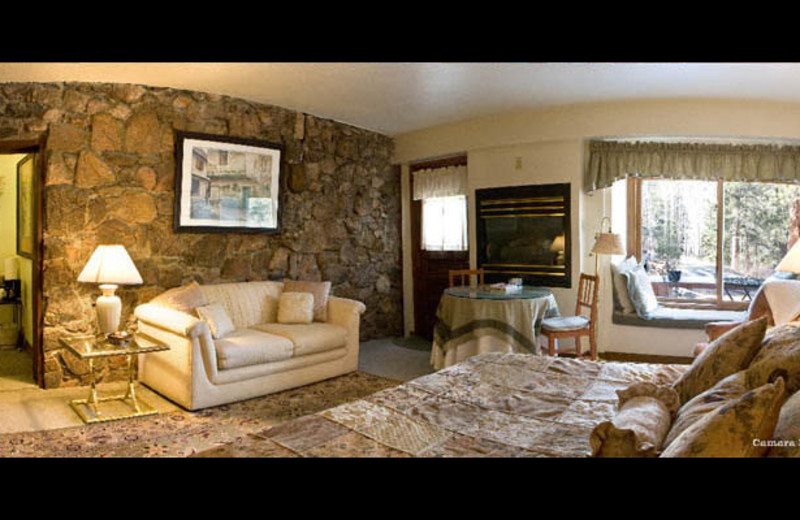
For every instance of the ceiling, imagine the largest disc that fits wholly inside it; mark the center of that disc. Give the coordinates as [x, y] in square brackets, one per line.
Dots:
[395, 98]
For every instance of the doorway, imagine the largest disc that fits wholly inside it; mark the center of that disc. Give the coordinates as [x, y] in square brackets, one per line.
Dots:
[21, 346]
[430, 269]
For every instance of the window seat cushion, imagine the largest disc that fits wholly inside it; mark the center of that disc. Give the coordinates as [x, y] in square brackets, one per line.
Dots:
[672, 318]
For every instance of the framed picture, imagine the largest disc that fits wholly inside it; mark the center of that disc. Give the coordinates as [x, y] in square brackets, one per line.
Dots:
[25, 214]
[225, 184]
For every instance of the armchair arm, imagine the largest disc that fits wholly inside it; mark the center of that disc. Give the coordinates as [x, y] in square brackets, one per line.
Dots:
[169, 319]
[340, 309]
[716, 329]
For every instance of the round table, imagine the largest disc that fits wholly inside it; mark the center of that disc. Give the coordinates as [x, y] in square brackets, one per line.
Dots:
[476, 320]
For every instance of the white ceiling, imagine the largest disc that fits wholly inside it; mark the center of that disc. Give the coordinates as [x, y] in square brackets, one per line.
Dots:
[395, 98]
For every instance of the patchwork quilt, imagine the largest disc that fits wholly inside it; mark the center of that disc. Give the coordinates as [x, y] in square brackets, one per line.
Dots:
[492, 405]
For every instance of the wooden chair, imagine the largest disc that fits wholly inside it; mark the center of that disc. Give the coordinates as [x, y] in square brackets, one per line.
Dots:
[576, 326]
[465, 274]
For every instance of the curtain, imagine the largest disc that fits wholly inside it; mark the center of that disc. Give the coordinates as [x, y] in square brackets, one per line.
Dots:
[610, 161]
[444, 223]
[440, 182]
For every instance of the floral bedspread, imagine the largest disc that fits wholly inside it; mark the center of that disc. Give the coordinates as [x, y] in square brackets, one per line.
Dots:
[493, 405]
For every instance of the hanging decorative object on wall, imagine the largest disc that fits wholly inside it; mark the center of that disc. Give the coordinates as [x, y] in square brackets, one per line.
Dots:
[225, 184]
[25, 213]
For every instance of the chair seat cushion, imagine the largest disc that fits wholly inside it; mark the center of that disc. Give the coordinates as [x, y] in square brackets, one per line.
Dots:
[246, 347]
[309, 338]
[565, 323]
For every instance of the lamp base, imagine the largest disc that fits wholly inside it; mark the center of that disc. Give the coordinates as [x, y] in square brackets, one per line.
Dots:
[109, 309]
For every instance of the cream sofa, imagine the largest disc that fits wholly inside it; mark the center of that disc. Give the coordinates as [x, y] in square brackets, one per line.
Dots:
[260, 357]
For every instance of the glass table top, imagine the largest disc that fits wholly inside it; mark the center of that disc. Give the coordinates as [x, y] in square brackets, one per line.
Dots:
[88, 346]
[484, 293]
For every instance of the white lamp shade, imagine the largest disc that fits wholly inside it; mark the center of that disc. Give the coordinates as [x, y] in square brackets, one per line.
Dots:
[608, 244]
[791, 262]
[110, 264]
[558, 244]
[11, 271]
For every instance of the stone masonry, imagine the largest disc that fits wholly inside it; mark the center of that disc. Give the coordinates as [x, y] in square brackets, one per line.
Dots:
[110, 179]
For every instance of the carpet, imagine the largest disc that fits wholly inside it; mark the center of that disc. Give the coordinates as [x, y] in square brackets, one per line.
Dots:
[182, 433]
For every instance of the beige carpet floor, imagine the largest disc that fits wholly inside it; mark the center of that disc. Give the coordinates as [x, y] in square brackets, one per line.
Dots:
[179, 433]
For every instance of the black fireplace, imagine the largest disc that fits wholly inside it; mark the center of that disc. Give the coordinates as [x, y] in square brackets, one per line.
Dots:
[524, 232]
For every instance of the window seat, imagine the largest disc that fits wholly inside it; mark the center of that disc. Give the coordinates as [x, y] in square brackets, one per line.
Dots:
[672, 318]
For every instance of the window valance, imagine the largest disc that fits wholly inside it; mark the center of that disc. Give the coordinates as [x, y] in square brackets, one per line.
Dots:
[440, 182]
[610, 161]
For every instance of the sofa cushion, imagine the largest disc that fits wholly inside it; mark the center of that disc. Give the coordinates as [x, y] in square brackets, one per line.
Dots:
[620, 285]
[320, 290]
[640, 290]
[217, 318]
[185, 298]
[245, 347]
[296, 307]
[309, 338]
[247, 303]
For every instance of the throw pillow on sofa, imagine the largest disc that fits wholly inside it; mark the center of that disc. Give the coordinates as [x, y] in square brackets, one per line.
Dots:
[730, 430]
[320, 290]
[639, 427]
[185, 298]
[726, 355]
[621, 283]
[217, 318]
[296, 307]
[641, 291]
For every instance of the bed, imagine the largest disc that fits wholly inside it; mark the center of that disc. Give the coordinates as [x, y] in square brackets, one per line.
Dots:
[491, 405]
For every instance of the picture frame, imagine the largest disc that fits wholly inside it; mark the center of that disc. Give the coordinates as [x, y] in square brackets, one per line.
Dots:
[26, 225]
[227, 184]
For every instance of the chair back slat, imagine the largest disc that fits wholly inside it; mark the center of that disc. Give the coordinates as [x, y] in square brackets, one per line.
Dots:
[587, 294]
[465, 275]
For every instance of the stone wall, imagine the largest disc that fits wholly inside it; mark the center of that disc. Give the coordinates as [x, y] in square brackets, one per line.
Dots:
[110, 179]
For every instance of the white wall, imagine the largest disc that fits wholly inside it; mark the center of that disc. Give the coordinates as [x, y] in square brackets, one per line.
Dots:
[552, 145]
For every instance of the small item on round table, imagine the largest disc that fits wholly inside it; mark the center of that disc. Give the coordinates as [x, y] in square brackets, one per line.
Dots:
[121, 338]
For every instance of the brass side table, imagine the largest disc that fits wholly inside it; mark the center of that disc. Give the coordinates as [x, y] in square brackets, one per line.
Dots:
[90, 348]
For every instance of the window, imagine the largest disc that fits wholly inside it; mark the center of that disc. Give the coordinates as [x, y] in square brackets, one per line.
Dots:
[223, 158]
[444, 223]
[710, 243]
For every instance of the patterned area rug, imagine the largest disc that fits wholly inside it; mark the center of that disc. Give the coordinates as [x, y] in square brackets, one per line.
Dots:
[182, 434]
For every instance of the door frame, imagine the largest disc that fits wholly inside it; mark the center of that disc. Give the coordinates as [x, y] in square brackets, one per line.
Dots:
[35, 146]
[415, 222]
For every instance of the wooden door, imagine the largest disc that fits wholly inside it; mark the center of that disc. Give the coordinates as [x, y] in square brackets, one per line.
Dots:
[430, 268]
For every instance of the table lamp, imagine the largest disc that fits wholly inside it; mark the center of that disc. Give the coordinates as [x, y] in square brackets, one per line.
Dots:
[109, 266]
[791, 262]
[558, 247]
[607, 243]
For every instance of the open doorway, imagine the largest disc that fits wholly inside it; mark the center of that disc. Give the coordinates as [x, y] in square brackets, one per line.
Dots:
[21, 179]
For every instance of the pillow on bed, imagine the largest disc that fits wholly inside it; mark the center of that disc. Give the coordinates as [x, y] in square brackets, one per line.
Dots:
[621, 283]
[730, 388]
[641, 291]
[779, 357]
[639, 427]
[788, 429]
[729, 431]
[724, 356]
